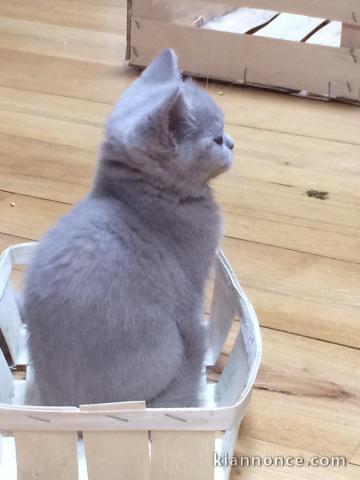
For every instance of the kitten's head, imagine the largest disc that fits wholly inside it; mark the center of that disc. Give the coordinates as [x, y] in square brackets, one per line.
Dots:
[169, 130]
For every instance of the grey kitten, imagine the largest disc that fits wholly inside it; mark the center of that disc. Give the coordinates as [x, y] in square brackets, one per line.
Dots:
[113, 298]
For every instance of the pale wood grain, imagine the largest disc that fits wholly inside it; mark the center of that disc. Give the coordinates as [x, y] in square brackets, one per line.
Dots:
[7, 240]
[292, 162]
[308, 392]
[270, 214]
[16, 219]
[350, 36]
[298, 292]
[110, 454]
[108, 16]
[299, 378]
[59, 107]
[355, 459]
[66, 133]
[142, 8]
[68, 77]
[45, 455]
[182, 455]
[60, 41]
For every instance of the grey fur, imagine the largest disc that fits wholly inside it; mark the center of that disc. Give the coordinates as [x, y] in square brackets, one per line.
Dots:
[113, 298]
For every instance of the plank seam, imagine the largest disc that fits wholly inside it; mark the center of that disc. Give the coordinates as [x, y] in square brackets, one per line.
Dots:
[309, 337]
[292, 249]
[229, 85]
[226, 236]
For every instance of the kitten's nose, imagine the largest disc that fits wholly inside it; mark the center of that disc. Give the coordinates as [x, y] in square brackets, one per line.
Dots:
[229, 142]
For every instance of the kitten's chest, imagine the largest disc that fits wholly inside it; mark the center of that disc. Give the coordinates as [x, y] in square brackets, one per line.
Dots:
[194, 237]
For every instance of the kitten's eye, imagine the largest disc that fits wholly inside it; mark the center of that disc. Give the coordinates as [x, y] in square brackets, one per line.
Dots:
[219, 140]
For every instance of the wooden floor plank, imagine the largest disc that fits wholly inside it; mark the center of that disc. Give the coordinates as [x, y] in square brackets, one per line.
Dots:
[287, 217]
[73, 110]
[8, 240]
[49, 130]
[283, 113]
[257, 211]
[107, 16]
[258, 207]
[64, 77]
[292, 236]
[56, 172]
[253, 164]
[297, 292]
[266, 155]
[103, 83]
[28, 217]
[291, 160]
[355, 458]
[60, 41]
[308, 392]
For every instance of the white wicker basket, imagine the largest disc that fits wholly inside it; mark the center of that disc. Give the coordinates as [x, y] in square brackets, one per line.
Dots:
[127, 440]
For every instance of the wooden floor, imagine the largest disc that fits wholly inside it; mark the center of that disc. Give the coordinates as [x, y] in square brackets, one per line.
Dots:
[298, 256]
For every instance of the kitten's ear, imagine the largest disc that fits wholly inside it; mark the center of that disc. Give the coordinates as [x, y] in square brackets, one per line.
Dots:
[164, 68]
[173, 115]
[154, 100]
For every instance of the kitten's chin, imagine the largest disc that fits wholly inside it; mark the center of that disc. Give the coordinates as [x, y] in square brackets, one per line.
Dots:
[221, 169]
[217, 173]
